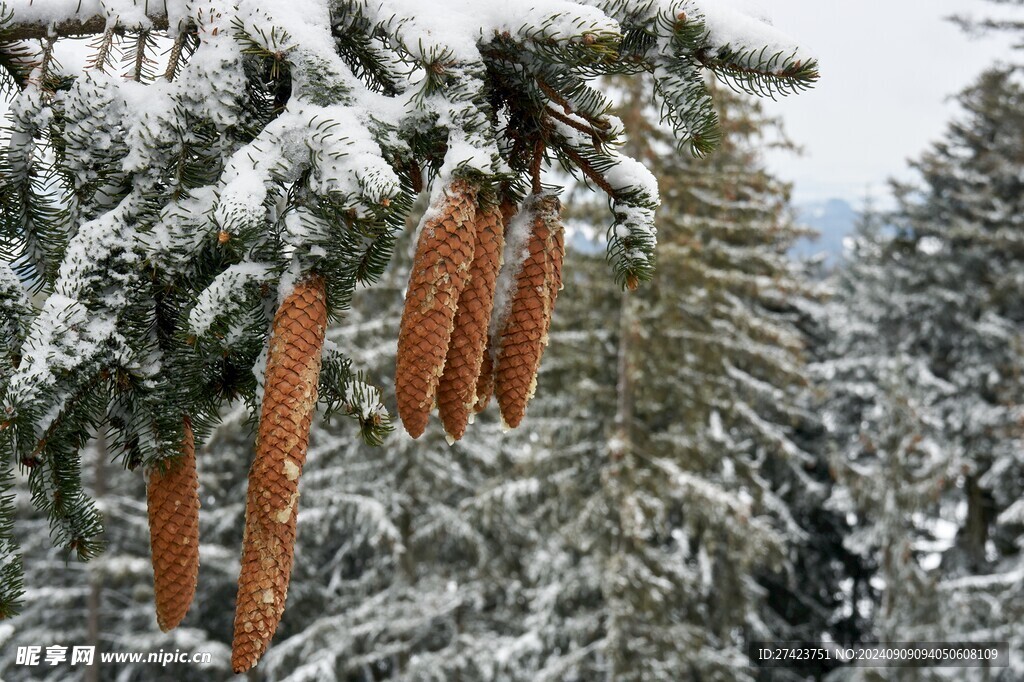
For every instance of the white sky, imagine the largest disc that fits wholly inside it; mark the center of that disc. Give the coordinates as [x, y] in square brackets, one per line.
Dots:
[888, 69]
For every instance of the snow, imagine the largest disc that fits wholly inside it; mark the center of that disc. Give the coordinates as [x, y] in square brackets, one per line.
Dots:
[517, 237]
[259, 222]
[181, 228]
[13, 296]
[346, 161]
[1012, 515]
[732, 23]
[226, 290]
[456, 27]
[628, 173]
[6, 630]
[128, 12]
[61, 335]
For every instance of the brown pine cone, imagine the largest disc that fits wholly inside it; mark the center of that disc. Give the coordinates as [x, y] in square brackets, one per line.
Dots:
[289, 401]
[172, 499]
[456, 392]
[525, 331]
[485, 382]
[439, 274]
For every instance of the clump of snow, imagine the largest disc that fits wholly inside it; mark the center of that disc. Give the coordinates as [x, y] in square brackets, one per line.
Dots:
[1013, 515]
[224, 294]
[743, 28]
[517, 237]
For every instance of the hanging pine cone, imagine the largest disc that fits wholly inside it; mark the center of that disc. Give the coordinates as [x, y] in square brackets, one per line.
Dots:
[289, 400]
[172, 500]
[485, 381]
[439, 274]
[456, 392]
[524, 333]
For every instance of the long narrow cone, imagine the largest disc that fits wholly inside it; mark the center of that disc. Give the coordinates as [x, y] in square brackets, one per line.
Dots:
[172, 499]
[440, 271]
[289, 401]
[485, 382]
[525, 332]
[456, 393]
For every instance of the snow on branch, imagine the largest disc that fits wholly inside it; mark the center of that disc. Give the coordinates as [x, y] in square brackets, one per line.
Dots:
[208, 156]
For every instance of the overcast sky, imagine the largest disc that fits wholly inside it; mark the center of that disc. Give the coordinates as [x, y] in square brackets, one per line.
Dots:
[888, 69]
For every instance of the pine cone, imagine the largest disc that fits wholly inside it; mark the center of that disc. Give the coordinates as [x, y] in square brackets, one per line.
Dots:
[439, 274]
[289, 401]
[456, 393]
[485, 382]
[172, 498]
[525, 331]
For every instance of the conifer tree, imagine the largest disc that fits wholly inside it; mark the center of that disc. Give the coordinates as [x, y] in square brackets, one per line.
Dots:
[662, 504]
[735, 309]
[883, 444]
[174, 212]
[1006, 17]
[925, 379]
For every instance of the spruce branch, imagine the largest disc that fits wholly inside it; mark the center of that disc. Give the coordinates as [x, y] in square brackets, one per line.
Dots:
[102, 56]
[16, 57]
[139, 62]
[76, 27]
[168, 228]
[11, 570]
[759, 72]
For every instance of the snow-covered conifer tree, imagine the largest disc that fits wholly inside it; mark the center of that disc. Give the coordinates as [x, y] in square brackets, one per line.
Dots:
[666, 494]
[964, 226]
[925, 379]
[198, 201]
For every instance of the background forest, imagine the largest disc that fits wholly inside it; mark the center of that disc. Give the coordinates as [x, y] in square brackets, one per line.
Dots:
[754, 446]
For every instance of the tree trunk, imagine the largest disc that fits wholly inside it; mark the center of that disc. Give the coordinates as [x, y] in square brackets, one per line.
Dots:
[974, 535]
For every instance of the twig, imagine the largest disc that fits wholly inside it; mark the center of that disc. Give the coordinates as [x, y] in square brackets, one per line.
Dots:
[590, 171]
[175, 56]
[141, 42]
[102, 46]
[596, 137]
[538, 159]
[553, 95]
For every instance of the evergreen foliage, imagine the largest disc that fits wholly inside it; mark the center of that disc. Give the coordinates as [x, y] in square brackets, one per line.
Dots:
[664, 504]
[581, 545]
[164, 204]
[925, 390]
